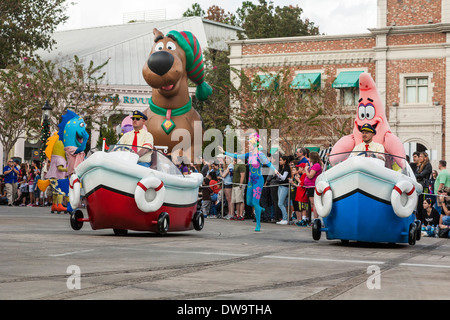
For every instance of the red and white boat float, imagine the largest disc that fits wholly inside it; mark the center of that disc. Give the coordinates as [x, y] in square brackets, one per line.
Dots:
[122, 195]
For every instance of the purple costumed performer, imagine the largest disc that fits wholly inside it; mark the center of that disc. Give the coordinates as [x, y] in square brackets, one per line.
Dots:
[256, 159]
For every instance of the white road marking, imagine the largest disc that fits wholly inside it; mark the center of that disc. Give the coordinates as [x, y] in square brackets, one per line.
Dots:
[267, 257]
[424, 265]
[325, 260]
[70, 253]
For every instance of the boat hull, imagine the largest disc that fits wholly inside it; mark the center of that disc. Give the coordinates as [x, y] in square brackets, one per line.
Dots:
[112, 209]
[110, 182]
[361, 207]
[360, 217]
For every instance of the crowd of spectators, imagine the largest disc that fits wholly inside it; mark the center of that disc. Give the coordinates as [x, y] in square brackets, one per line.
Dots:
[18, 184]
[287, 198]
[433, 205]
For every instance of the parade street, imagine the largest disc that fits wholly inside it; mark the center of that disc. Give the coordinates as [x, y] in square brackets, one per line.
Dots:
[43, 258]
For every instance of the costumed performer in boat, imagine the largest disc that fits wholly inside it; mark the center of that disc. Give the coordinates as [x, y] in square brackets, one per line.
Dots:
[256, 159]
[370, 111]
[139, 137]
[368, 145]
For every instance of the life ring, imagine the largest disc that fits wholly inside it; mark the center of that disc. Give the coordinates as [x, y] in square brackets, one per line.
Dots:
[400, 209]
[149, 182]
[323, 199]
[74, 191]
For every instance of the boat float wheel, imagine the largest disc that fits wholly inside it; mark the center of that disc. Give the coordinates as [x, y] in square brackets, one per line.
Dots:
[198, 220]
[418, 229]
[163, 223]
[316, 232]
[75, 218]
[412, 233]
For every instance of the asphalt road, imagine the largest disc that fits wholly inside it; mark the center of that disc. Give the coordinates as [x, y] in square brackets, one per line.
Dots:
[42, 258]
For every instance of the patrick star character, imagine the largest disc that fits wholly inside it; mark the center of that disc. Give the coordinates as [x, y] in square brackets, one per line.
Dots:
[370, 110]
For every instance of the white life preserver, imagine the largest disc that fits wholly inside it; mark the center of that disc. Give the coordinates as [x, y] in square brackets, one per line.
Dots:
[403, 210]
[146, 183]
[323, 199]
[74, 191]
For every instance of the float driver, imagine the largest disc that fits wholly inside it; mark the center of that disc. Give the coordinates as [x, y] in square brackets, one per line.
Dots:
[368, 144]
[139, 137]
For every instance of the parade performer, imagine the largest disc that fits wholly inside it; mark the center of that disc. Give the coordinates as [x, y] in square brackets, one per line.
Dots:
[56, 174]
[370, 111]
[139, 137]
[73, 134]
[256, 159]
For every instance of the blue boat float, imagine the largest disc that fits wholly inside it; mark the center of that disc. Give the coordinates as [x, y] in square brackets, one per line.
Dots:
[367, 197]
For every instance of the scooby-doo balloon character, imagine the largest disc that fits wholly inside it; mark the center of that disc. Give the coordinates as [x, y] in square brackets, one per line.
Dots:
[174, 59]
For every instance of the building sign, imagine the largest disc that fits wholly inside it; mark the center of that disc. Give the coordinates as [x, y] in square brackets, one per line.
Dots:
[136, 100]
[129, 100]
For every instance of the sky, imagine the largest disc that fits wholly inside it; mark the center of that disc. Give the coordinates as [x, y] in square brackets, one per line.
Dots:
[332, 16]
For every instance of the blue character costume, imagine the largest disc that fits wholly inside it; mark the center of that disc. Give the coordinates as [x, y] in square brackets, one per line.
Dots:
[73, 134]
[256, 159]
[65, 149]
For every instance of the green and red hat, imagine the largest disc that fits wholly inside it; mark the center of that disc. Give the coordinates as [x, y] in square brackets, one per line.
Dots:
[195, 66]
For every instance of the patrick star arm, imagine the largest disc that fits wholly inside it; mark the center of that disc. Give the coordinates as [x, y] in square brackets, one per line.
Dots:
[344, 144]
[394, 146]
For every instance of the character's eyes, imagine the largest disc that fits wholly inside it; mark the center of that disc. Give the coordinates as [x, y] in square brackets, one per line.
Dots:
[366, 112]
[82, 124]
[370, 111]
[171, 46]
[361, 112]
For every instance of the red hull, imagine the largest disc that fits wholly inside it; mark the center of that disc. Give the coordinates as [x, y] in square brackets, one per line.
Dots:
[110, 209]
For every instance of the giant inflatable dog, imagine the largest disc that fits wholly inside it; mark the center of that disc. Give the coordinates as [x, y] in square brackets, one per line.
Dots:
[174, 59]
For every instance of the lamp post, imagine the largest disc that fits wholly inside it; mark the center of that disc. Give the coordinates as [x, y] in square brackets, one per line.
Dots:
[45, 129]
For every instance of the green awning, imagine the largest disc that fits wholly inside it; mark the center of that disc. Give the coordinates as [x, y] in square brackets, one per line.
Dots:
[265, 82]
[347, 79]
[315, 149]
[306, 81]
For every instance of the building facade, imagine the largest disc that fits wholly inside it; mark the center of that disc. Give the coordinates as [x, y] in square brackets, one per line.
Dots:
[407, 54]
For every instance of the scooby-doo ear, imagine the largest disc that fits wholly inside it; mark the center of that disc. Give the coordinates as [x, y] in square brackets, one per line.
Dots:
[157, 34]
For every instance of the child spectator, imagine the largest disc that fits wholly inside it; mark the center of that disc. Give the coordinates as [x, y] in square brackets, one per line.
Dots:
[206, 197]
[301, 195]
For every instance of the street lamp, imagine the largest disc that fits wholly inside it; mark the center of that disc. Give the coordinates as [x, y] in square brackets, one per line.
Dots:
[45, 129]
[46, 110]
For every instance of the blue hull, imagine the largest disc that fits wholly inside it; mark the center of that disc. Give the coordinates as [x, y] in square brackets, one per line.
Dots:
[360, 217]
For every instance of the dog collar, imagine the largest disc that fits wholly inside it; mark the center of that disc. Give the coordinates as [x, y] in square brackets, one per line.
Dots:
[168, 125]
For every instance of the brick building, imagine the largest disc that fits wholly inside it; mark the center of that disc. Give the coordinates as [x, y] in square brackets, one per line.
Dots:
[407, 55]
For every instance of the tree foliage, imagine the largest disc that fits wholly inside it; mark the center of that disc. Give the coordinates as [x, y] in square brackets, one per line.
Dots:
[26, 26]
[25, 87]
[262, 20]
[194, 11]
[301, 116]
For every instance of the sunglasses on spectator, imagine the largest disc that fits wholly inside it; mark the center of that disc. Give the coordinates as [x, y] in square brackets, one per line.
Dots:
[134, 118]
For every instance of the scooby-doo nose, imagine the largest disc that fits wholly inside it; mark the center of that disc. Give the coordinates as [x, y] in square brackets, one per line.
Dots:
[160, 62]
